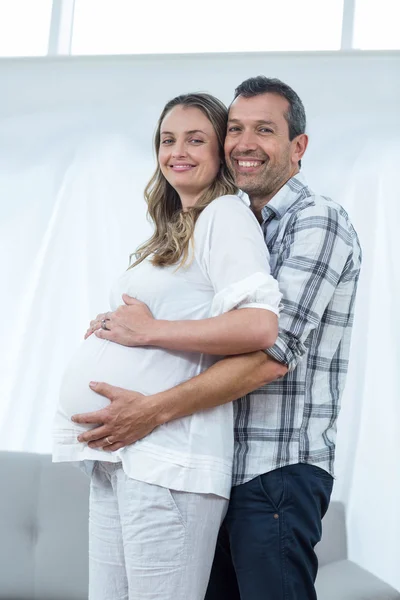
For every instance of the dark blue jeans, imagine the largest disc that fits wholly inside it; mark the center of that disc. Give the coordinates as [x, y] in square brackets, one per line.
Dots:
[265, 549]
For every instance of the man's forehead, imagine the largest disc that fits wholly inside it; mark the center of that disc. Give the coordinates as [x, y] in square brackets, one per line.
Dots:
[264, 107]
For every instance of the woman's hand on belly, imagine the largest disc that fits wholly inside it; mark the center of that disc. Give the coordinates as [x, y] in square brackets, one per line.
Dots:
[129, 417]
[96, 323]
[131, 324]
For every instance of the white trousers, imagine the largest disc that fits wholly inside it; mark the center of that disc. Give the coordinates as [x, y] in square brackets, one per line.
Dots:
[147, 542]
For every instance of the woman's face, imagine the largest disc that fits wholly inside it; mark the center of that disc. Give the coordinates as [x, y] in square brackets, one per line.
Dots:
[188, 153]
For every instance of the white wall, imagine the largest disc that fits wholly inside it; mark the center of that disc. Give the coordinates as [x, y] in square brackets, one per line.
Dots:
[75, 154]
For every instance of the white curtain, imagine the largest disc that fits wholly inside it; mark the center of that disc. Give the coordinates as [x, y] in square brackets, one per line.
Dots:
[368, 446]
[75, 155]
[73, 214]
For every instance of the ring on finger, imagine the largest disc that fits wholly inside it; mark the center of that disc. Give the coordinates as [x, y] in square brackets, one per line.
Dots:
[104, 324]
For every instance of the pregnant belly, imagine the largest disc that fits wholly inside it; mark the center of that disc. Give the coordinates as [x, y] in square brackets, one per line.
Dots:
[101, 360]
[145, 370]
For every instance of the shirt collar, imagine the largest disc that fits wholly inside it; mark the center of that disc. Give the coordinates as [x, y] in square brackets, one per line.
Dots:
[284, 199]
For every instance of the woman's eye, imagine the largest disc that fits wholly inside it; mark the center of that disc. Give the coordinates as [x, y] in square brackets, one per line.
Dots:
[195, 141]
[167, 142]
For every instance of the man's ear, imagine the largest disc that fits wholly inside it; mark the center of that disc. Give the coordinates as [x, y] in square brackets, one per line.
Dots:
[299, 146]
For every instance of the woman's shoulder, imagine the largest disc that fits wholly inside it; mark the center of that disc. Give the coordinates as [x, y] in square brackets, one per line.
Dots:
[223, 206]
[229, 201]
[230, 210]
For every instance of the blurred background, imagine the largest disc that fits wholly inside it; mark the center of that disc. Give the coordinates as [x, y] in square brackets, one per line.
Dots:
[82, 86]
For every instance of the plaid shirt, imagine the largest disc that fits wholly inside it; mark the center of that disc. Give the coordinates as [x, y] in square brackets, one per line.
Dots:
[316, 258]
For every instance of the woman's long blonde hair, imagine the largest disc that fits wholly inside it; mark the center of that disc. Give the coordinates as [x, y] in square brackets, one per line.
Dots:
[174, 227]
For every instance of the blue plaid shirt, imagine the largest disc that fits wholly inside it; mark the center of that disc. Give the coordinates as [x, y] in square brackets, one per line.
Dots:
[316, 258]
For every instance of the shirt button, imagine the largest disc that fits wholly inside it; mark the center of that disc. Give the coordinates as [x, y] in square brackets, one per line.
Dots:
[276, 516]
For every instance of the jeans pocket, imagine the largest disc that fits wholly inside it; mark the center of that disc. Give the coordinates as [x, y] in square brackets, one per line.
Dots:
[323, 485]
[321, 473]
[273, 487]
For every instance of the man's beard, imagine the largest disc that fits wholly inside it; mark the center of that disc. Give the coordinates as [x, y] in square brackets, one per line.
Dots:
[265, 183]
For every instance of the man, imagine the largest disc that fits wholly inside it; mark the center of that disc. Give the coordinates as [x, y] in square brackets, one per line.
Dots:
[284, 431]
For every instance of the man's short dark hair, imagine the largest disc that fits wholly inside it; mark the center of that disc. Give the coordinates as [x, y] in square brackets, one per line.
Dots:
[295, 115]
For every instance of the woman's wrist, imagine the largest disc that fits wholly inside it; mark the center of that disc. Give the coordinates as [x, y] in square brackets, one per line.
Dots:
[158, 333]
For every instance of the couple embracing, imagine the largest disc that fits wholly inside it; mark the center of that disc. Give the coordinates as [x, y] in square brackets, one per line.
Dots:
[204, 403]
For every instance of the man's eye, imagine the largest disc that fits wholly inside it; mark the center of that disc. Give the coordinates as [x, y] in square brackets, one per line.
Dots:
[265, 130]
[233, 129]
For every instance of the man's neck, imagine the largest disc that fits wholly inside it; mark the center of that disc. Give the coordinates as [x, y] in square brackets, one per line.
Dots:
[257, 203]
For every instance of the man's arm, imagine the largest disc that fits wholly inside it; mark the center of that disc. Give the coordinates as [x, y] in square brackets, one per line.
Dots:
[318, 252]
[225, 381]
[130, 416]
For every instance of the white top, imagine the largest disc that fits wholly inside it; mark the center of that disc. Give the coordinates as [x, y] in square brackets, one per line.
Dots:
[229, 269]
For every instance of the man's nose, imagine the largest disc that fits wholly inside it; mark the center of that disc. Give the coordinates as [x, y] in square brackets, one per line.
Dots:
[246, 142]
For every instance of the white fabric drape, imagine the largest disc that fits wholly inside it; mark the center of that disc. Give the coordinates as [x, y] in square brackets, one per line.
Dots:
[368, 447]
[74, 159]
[70, 224]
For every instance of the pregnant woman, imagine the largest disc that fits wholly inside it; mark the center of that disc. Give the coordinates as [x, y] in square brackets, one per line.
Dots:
[156, 506]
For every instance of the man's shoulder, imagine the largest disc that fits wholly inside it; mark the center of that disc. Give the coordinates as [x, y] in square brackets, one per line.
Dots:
[314, 211]
[316, 206]
[314, 203]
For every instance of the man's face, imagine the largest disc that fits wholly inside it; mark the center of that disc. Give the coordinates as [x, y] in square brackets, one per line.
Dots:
[257, 146]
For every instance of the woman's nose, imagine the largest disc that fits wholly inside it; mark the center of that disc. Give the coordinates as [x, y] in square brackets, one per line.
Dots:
[179, 149]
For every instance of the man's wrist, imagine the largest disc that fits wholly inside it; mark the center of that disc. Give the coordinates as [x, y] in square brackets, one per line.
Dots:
[161, 409]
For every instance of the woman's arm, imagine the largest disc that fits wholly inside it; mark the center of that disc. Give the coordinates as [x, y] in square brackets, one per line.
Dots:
[230, 251]
[231, 254]
[235, 332]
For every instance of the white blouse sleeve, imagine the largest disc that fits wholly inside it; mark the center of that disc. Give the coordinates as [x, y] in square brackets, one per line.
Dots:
[230, 249]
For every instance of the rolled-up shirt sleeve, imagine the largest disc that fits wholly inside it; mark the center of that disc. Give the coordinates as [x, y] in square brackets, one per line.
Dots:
[231, 251]
[316, 250]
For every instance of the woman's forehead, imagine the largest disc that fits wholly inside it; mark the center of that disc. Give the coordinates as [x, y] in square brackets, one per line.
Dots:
[185, 119]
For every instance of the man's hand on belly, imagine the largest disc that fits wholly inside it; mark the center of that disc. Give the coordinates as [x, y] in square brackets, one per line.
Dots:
[129, 417]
